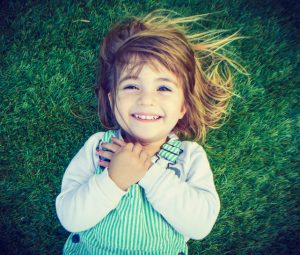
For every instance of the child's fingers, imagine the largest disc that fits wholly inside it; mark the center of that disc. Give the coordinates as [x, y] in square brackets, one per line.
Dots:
[103, 163]
[110, 146]
[105, 154]
[129, 146]
[118, 141]
[146, 159]
[143, 156]
[137, 148]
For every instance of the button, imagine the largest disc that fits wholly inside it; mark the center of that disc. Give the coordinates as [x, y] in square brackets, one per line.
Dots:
[75, 238]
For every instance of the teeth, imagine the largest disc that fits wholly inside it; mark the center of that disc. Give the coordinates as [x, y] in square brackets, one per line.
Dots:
[143, 117]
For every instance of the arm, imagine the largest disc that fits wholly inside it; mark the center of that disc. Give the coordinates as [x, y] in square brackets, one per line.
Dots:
[85, 197]
[190, 206]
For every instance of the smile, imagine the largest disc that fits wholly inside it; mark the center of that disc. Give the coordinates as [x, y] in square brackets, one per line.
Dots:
[146, 118]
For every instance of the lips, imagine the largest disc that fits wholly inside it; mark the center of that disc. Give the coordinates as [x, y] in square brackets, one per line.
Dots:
[146, 116]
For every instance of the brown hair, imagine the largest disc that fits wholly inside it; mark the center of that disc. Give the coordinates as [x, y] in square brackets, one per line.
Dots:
[194, 58]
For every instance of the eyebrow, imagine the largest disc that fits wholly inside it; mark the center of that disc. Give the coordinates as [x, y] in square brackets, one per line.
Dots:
[133, 77]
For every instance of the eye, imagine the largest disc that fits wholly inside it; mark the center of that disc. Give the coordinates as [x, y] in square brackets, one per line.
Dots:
[130, 87]
[164, 88]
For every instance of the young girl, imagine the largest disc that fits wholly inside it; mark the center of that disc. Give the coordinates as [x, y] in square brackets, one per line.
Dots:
[151, 191]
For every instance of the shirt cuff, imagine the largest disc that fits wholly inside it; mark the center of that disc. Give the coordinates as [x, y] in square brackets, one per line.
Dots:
[109, 188]
[152, 176]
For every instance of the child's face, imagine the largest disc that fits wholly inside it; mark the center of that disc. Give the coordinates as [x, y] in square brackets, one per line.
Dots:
[149, 95]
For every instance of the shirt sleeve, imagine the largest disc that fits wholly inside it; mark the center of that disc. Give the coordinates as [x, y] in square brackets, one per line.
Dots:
[190, 206]
[85, 197]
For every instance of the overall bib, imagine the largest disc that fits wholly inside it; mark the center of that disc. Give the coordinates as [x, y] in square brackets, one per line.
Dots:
[134, 227]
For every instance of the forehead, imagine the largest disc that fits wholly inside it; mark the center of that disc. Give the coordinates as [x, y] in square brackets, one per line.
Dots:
[135, 66]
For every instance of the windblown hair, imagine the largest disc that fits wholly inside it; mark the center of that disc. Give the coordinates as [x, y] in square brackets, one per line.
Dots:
[203, 71]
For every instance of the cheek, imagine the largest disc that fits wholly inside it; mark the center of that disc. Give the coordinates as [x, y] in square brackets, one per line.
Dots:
[122, 99]
[122, 106]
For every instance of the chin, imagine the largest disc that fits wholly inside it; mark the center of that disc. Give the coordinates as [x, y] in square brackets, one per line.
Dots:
[144, 139]
[139, 137]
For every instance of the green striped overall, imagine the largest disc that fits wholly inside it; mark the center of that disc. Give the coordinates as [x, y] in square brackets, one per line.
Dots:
[134, 226]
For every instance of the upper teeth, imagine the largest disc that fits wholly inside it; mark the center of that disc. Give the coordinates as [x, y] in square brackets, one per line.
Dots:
[146, 117]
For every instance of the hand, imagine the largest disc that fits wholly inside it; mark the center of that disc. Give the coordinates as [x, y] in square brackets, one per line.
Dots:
[129, 163]
[113, 147]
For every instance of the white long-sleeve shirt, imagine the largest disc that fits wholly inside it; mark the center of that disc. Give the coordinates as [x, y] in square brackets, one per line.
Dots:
[183, 194]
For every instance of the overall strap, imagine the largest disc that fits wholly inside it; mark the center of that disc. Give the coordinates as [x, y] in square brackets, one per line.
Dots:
[171, 150]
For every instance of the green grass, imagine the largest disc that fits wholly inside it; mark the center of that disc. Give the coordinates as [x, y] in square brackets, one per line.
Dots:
[48, 110]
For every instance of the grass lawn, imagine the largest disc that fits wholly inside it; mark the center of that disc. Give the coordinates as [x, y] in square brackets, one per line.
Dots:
[48, 110]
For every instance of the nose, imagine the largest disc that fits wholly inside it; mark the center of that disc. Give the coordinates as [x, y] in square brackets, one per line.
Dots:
[147, 98]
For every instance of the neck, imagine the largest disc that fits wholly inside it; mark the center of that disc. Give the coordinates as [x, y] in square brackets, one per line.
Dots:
[150, 148]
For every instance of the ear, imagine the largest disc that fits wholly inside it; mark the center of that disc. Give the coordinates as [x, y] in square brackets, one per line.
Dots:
[183, 111]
